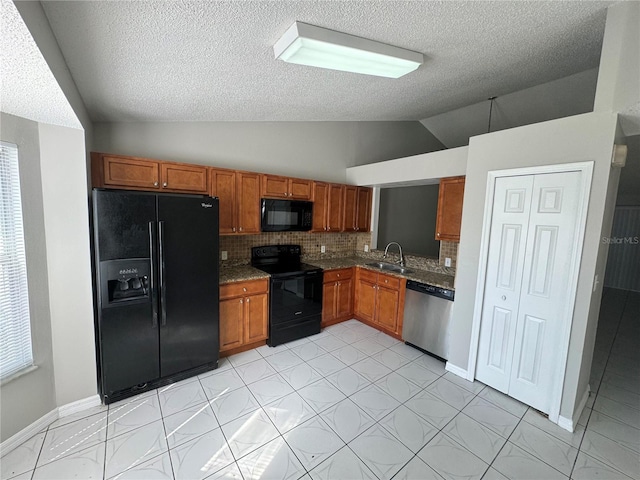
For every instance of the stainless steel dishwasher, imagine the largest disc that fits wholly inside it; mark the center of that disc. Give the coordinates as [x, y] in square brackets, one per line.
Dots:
[427, 312]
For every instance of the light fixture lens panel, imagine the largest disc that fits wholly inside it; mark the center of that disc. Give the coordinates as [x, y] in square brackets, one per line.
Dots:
[346, 53]
[314, 53]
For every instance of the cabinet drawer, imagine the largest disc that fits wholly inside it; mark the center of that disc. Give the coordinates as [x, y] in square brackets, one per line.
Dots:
[368, 275]
[239, 289]
[389, 281]
[335, 275]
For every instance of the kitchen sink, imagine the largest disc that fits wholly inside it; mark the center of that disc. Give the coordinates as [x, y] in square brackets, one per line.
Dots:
[389, 267]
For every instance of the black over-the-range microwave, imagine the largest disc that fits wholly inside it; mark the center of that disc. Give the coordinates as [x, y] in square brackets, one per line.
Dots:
[286, 215]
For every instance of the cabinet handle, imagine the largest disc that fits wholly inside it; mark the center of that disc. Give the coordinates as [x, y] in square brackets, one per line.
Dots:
[240, 229]
[438, 234]
[338, 275]
[328, 228]
[339, 284]
[386, 281]
[248, 300]
[373, 286]
[244, 289]
[233, 229]
[241, 300]
[164, 184]
[155, 184]
[325, 228]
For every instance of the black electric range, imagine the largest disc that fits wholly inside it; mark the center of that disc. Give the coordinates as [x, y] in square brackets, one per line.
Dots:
[295, 293]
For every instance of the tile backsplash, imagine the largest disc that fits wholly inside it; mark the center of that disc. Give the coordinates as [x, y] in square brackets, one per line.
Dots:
[238, 247]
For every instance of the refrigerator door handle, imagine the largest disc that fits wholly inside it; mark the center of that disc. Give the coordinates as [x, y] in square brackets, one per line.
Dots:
[163, 289]
[154, 290]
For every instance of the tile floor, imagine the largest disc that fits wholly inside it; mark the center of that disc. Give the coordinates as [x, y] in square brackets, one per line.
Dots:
[351, 403]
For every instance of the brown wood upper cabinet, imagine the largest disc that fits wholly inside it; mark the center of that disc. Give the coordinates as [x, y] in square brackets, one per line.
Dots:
[243, 313]
[350, 202]
[135, 173]
[450, 196]
[239, 198]
[274, 186]
[328, 207]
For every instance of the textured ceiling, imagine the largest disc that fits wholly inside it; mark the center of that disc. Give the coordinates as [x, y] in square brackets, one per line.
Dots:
[213, 60]
[29, 89]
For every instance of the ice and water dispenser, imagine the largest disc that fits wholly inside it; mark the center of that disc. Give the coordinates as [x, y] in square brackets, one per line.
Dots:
[125, 281]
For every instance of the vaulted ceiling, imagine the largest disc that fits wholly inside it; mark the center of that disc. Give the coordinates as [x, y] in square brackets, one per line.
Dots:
[213, 60]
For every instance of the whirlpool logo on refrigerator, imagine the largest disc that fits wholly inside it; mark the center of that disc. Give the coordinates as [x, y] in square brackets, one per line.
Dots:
[206, 205]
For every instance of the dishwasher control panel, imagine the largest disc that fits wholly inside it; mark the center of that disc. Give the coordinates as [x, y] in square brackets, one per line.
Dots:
[431, 290]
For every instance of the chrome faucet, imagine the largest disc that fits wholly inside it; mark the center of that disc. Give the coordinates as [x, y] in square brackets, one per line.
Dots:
[401, 262]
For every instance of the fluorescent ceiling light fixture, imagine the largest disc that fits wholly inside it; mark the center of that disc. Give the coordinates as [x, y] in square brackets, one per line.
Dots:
[306, 44]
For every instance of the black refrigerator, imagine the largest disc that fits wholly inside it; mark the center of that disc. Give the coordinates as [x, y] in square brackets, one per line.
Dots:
[156, 289]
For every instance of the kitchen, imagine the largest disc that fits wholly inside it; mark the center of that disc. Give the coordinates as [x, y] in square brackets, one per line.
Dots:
[113, 138]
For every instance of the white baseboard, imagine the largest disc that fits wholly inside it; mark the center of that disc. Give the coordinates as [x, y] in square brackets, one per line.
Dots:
[461, 372]
[28, 432]
[571, 423]
[78, 406]
[43, 422]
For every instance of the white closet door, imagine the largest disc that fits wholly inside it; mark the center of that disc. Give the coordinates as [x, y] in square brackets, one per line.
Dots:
[550, 245]
[509, 229]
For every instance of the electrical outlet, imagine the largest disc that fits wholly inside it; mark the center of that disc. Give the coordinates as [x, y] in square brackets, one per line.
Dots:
[447, 262]
[366, 247]
[224, 254]
[323, 249]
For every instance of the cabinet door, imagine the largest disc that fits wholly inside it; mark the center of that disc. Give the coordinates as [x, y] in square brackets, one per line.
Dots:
[248, 185]
[256, 325]
[450, 196]
[231, 323]
[184, 178]
[320, 206]
[344, 300]
[328, 302]
[350, 208]
[387, 308]
[223, 186]
[274, 186]
[128, 172]
[363, 221]
[366, 300]
[335, 208]
[300, 189]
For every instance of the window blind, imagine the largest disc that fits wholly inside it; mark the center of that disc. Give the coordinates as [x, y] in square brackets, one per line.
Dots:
[15, 328]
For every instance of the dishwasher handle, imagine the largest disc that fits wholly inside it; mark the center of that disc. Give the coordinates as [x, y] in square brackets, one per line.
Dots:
[430, 290]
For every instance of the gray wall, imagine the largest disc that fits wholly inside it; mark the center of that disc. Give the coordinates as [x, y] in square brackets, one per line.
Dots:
[29, 397]
[408, 216]
[66, 222]
[318, 150]
[560, 98]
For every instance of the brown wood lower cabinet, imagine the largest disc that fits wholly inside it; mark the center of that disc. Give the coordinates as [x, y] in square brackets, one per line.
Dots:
[379, 300]
[337, 296]
[244, 310]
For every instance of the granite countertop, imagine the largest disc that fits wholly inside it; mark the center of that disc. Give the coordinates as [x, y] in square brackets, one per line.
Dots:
[241, 273]
[441, 280]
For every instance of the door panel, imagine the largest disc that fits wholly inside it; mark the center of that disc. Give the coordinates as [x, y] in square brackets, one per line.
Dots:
[366, 300]
[542, 311]
[509, 226]
[501, 325]
[231, 323]
[256, 325]
[188, 238]
[328, 302]
[223, 186]
[335, 209]
[387, 308]
[344, 302]
[248, 202]
[350, 208]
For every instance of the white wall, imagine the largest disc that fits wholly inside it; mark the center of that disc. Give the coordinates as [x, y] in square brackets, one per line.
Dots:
[566, 96]
[423, 169]
[66, 221]
[581, 138]
[318, 150]
[619, 76]
[27, 398]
